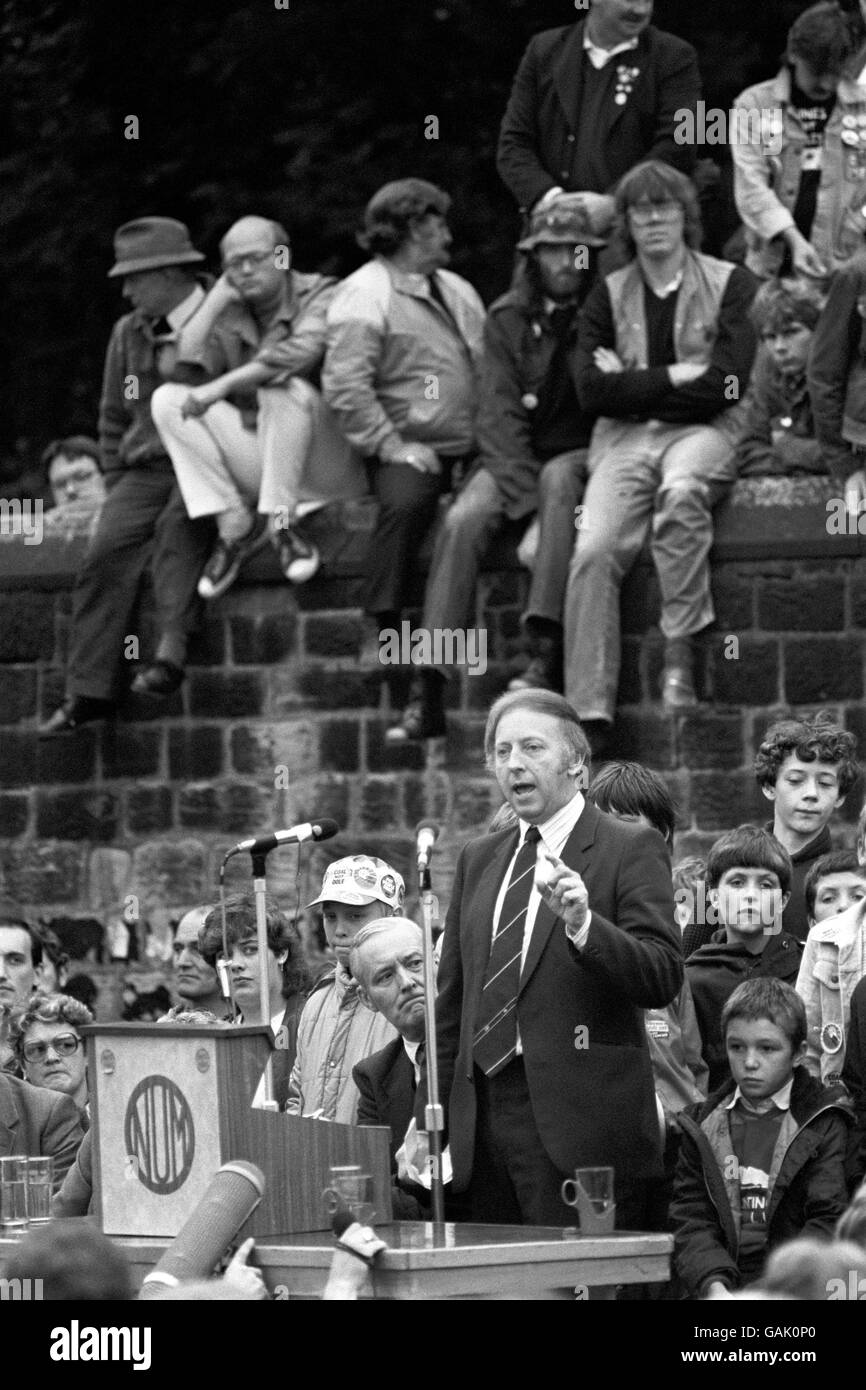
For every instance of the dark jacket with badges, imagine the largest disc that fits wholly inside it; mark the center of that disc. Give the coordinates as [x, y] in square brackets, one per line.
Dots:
[539, 141]
[807, 1191]
[715, 970]
[528, 408]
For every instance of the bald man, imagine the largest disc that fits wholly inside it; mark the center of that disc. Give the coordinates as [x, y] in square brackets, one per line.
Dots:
[196, 982]
[252, 442]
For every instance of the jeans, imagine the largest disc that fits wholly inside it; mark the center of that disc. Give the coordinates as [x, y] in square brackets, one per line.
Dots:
[642, 477]
[476, 516]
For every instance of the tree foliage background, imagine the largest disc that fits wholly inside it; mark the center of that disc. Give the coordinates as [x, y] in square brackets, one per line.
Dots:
[298, 112]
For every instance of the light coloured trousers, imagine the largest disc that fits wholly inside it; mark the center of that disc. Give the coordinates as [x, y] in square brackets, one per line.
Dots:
[294, 458]
[641, 476]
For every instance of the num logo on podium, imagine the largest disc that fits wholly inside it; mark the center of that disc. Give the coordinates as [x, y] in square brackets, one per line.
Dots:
[159, 1134]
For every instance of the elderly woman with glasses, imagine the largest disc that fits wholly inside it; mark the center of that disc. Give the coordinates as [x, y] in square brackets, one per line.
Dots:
[51, 1048]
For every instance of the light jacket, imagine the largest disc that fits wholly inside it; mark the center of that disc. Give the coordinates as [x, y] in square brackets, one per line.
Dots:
[834, 961]
[766, 151]
[679, 1070]
[334, 1032]
[400, 369]
[807, 1189]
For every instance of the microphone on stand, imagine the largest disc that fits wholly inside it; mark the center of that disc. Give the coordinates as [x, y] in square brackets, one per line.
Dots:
[232, 1196]
[310, 830]
[426, 833]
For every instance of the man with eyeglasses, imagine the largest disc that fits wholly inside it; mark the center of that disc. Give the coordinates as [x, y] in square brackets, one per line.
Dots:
[77, 485]
[664, 351]
[252, 442]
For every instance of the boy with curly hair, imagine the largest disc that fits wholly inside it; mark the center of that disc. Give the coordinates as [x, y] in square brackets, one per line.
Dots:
[806, 767]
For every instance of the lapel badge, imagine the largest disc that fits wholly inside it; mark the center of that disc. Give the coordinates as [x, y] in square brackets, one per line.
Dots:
[831, 1037]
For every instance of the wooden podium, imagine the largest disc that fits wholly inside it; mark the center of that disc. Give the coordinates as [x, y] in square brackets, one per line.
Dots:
[170, 1103]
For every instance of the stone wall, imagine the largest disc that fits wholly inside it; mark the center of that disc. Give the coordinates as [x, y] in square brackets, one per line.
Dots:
[281, 718]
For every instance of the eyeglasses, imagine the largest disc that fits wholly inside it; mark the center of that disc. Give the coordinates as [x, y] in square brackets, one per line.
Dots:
[65, 1044]
[646, 210]
[253, 258]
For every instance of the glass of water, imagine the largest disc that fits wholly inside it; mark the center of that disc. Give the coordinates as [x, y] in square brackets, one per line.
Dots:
[40, 1184]
[13, 1196]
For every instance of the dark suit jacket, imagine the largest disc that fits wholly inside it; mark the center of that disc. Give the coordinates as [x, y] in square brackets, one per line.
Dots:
[38, 1123]
[579, 1012]
[539, 135]
[385, 1081]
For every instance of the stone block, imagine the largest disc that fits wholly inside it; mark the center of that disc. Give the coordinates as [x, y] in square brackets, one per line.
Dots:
[645, 737]
[823, 668]
[244, 809]
[226, 694]
[331, 635]
[745, 673]
[84, 814]
[322, 688]
[339, 745]
[733, 599]
[194, 752]
[17, 694]
[263, 640]
[198, 806]
[36, 874]
[148, 809]
[705, 739]
[270, 751]
[26, 626]
[107, 879]
[129, 751]
[380, 804]
[721, 800]
[802, 603]
[14, 814]
[167, 872]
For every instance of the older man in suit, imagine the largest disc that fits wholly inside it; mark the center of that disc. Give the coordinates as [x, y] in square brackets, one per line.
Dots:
[590, 101]
[38, 1123]
[560, 931]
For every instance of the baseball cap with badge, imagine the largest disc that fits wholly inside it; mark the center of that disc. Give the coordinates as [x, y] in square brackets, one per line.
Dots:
[149, 243]
[359, 880]
[559, 227]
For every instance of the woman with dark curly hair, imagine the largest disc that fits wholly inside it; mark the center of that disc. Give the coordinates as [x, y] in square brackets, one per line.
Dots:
[288, 972]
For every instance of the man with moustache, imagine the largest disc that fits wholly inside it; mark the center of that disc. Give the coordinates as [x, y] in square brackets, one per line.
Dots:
[195, 980]
[561, 930]
[404, 346]
[532, 438]
[590, 101]
[252, 442]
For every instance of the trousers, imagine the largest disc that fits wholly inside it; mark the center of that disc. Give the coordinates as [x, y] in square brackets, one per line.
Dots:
[143, 522]
[643, 478]
[295, 458]
[477, 515]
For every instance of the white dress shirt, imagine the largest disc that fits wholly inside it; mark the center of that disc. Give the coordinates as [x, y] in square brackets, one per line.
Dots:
[600, 57]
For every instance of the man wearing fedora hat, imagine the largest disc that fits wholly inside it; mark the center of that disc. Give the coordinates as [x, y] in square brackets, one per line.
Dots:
[143, 521]
[532, 436]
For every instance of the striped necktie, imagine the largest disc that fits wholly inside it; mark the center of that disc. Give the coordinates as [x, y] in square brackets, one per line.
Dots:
[495, 1040]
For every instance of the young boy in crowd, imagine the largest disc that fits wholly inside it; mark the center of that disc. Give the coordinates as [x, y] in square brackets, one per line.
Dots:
[834, 957]
[748, 882]
[777, 434]
[763, 1159]
[632, 792]
[806, 767]
[336, 1030]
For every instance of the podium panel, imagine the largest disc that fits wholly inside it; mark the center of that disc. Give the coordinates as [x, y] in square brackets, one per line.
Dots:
[170, 1103]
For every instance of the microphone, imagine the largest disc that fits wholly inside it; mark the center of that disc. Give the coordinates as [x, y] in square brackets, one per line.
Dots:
[426, 832]
[317, 830]
[232, 1196]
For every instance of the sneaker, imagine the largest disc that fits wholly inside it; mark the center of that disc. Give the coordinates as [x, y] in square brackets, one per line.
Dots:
[75, 711]
[544, 671]
[160, 678]
[678, 689]
[227, 557]
[297, 558]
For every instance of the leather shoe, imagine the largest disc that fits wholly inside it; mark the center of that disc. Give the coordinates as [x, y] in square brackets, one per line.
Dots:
[75, 711]
[421, 719]
[160, 678]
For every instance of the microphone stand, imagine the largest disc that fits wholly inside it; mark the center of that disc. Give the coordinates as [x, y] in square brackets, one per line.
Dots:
[433, 1117]
[260, 889]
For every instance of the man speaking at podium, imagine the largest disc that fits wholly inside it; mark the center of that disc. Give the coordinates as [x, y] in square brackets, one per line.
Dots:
[559, 933]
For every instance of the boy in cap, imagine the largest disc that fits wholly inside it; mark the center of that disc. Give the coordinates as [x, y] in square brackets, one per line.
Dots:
[336, 1030]
[143, 520]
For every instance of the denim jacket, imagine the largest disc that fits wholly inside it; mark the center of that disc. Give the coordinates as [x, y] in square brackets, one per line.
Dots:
[767, 157]
[834, 960]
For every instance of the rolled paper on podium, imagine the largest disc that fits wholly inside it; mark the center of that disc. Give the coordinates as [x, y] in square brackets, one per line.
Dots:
[230, 1200]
